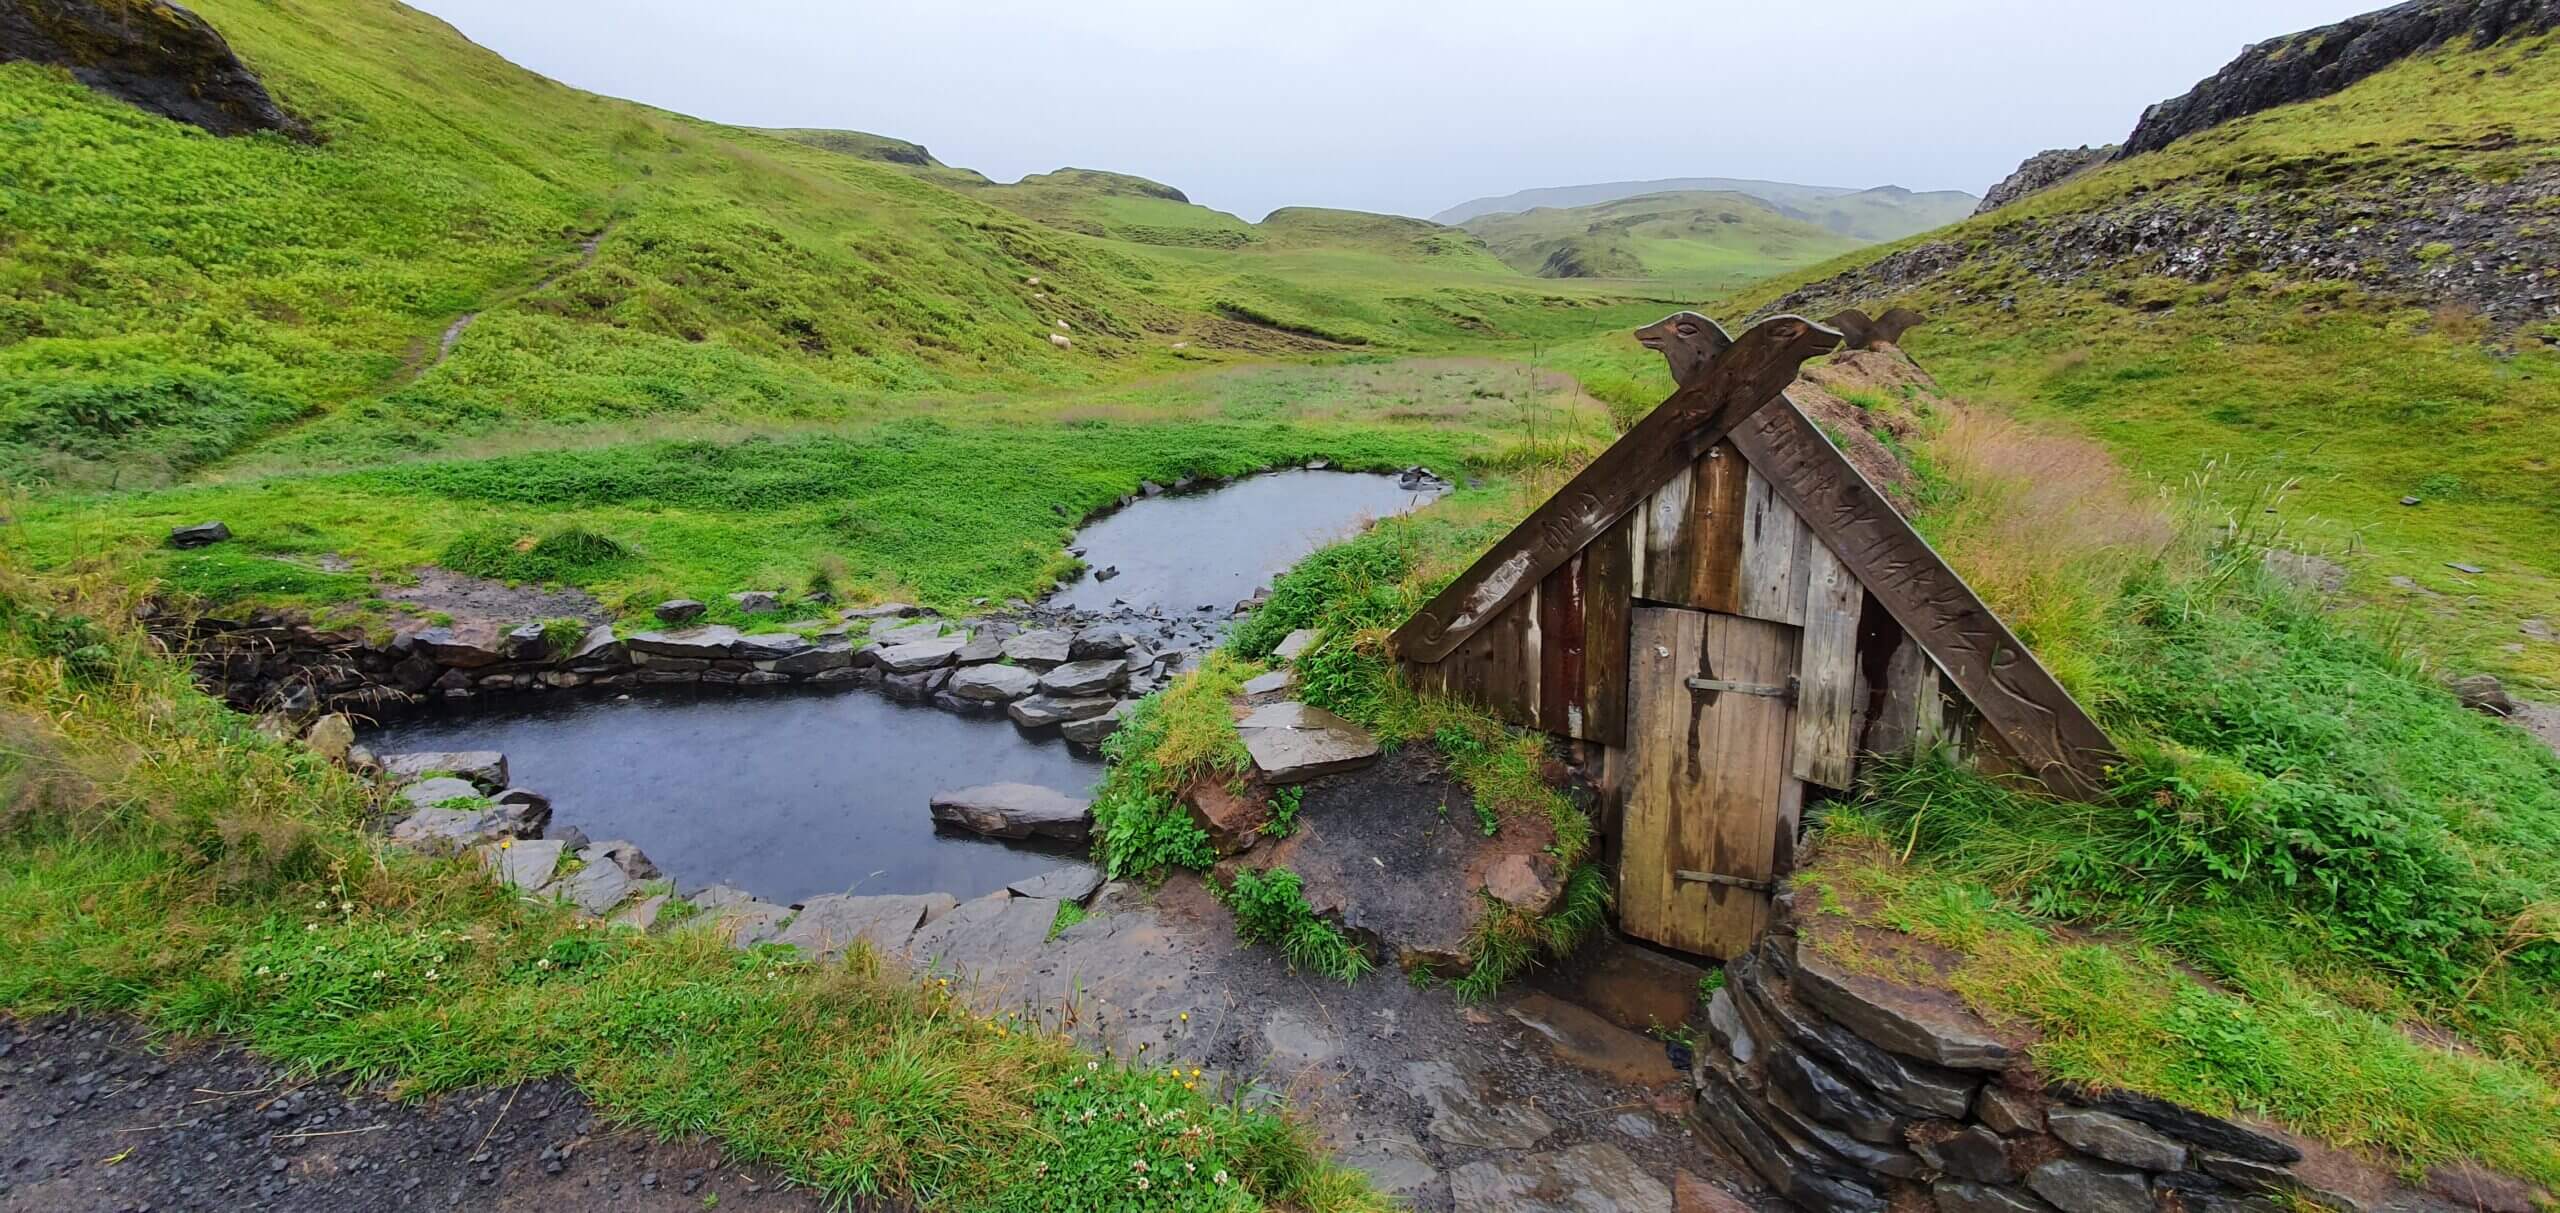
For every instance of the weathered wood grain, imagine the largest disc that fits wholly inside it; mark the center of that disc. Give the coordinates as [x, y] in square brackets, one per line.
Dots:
[1776, 556]
[1734, 385]
[1708, 779]
[1607, 597]
[2018, 698]
[1827, 692]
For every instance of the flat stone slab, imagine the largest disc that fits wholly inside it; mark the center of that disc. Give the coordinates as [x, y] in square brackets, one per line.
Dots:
[428, 793]
[1071, 882]
[1590, 1178]
[1045, 647]
[1094, 730]
[1274, 683]
[716, 641]
[1931, 1025]
[992, 683]
[1462, 1114]
[526, 865]
[994, 935]
[920, 631]
[1395, 1163]
[1292, 743]
[827, 927]
[1082, 679]
[597, 887]
[485, 768]
[1041, 711]
[744, 924]
[1015, 810]
[919, 656]
[1294, 645]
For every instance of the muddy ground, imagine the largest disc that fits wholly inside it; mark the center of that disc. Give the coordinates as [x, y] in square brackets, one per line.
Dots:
[94, 1119]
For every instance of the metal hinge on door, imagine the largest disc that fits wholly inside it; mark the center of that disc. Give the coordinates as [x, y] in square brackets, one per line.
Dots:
[1739, 882]
[1781, 690]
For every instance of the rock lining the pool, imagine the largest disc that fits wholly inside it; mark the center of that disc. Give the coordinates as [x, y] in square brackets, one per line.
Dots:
[456, 803]
[1044, 667]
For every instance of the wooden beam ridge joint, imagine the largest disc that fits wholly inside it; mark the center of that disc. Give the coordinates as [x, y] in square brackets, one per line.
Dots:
[1731, 384]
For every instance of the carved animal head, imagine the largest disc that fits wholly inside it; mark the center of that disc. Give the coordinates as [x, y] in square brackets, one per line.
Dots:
[1856, 328]
[1893, 324]
[1686, 340]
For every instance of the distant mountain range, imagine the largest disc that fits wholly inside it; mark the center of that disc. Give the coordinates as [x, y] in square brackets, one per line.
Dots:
[1873, 216]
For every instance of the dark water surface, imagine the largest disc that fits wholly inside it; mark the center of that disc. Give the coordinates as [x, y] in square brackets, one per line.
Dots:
[1215, 548]
[785, 793]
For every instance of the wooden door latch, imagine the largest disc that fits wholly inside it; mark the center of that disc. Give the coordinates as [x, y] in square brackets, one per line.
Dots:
[1739, 882]
[1783, 691]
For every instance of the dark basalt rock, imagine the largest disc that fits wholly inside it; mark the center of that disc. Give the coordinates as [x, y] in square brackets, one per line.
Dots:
[2080, 1185]
[1817, 1092]
[1957, 1196]
[1918, 1085]
[2316, 63]
[2043, 171]
[151, 53]
[1726, 1110]
[2212, 1133]
[1966, 1152]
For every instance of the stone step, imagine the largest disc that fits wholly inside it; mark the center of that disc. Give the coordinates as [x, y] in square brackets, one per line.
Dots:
[1292, 743]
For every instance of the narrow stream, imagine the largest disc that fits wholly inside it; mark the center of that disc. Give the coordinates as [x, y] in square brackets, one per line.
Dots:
[1183, 552]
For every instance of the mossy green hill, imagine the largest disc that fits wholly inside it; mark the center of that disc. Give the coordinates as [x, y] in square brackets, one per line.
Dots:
[169, 299]
[1701, 241]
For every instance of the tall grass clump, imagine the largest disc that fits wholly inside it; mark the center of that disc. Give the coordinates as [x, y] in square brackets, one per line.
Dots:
[160, 859]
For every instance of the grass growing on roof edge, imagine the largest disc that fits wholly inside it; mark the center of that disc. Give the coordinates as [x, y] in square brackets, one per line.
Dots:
[159, 859]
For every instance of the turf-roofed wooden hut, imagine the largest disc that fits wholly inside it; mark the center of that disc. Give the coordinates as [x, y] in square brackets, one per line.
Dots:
[1735, 616]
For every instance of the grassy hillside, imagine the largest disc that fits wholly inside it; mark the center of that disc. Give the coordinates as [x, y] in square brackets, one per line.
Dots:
[2313, 295]
[1697, 241]
[1883, 213]
[169, 299]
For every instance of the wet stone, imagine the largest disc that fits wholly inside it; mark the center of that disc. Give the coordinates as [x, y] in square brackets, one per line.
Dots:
[597, 887]
[1094, 730]
[918, 632]
[2185, 1124]
[1898, 1019]
[679, 610]
[1292, 743]
[485, 768]
[1462, 1115]
[1823, 1095]
[1070, 882]
[202, 534]
[430, 793]
[826, 927]
[2008, 1111]
[992, 684]
[1294, 645]
[525, 865]
[919, 656]
[1015, 810]
[1968, 1152]
[1917, 1085]
[1042, 711]
[1590, 1178]
[1083, 679]
[1395, 1163]
[2116, 1139]
[1045, 647]
[2080, 1185]
[1958, 1196]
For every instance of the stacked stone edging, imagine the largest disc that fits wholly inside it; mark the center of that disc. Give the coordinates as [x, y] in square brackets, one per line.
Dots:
[1850, 1094]
[1044, 669]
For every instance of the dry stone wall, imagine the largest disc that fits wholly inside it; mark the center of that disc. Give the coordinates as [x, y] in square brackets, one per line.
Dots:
[1848, 1093]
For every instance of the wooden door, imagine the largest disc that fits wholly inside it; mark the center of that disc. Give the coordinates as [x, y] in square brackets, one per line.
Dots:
[1710, 721]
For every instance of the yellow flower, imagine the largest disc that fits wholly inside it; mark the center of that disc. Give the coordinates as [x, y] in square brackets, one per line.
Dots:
[1186, 1017]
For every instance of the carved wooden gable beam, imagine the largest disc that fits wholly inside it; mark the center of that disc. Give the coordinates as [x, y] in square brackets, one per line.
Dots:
[1730, 380]
[2018, 698]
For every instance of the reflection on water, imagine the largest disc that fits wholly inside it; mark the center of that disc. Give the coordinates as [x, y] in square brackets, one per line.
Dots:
[786, 793]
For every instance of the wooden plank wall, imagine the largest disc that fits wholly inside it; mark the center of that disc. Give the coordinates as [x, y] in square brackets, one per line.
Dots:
[1556, 660]
[1715, 537]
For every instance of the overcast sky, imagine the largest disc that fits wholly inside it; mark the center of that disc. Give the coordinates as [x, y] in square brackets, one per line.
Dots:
[1412, 106]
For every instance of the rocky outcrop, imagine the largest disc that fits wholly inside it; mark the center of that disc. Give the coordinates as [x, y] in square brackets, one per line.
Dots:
[151, 53]
[2043, 171]
[2444, 238]
[1015, 810]
[2316, 63]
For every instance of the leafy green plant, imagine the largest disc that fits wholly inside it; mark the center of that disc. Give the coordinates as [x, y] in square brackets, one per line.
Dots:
[1285, 803]
[1271, 908]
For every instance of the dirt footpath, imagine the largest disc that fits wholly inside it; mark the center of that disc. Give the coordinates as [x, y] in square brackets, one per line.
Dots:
[94, 1121]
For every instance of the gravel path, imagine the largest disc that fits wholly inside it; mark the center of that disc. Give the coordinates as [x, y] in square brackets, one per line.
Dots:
[94, 1120]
